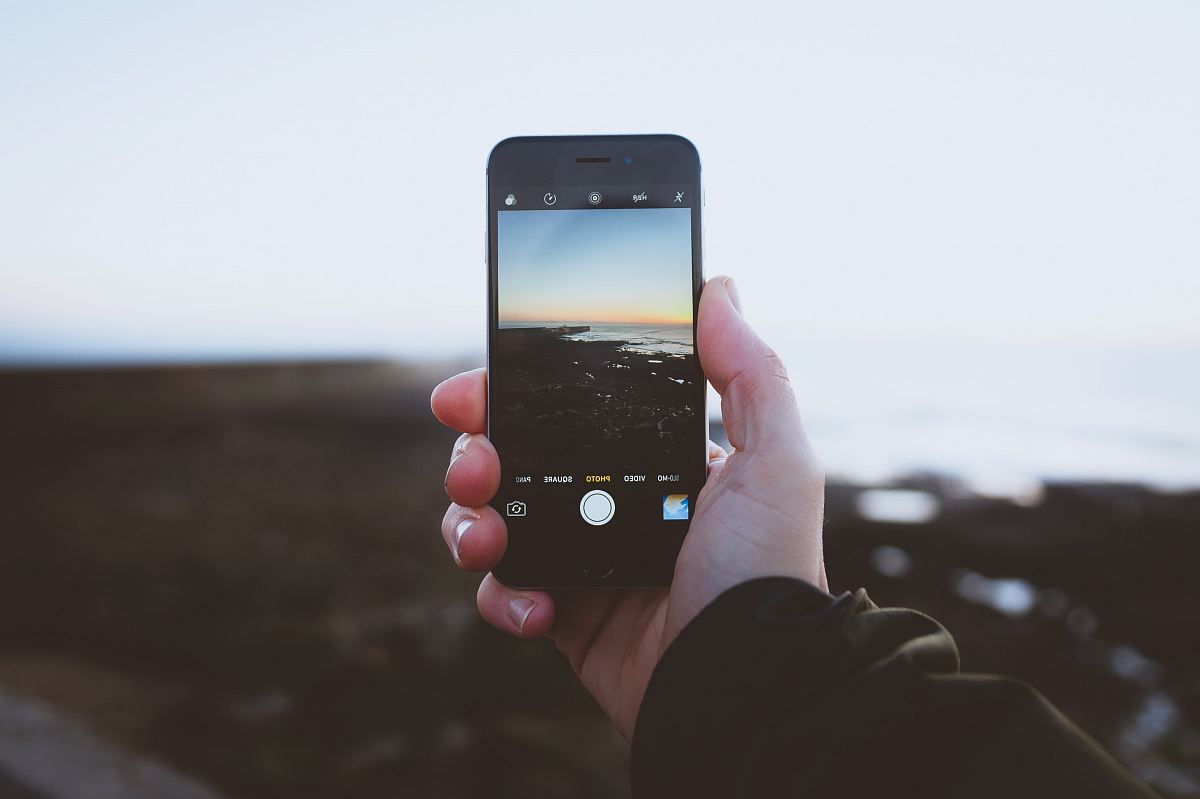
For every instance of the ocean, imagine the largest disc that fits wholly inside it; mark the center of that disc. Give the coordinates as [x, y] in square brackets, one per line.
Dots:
[1002, 417]
[668, 339]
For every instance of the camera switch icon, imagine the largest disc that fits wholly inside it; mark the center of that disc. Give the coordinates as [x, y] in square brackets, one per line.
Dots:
[515, 508]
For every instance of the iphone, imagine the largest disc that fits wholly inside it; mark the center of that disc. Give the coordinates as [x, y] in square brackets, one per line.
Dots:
[596, 398]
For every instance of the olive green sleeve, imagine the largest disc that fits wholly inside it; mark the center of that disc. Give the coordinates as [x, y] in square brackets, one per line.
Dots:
[778, 689]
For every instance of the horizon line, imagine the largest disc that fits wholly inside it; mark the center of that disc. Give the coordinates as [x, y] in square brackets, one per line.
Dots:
[579, 320]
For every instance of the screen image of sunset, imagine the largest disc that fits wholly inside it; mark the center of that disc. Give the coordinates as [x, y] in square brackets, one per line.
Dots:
[593, 347]
[606, 266]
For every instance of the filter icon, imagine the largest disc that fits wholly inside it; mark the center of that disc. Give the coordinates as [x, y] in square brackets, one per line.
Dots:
[510, 199]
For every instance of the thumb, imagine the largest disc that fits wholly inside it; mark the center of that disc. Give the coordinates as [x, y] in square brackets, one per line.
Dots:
[757, 403]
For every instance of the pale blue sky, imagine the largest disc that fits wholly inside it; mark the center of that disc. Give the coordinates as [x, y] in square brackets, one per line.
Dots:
[974, 211]
[309, 176]
[223, 179]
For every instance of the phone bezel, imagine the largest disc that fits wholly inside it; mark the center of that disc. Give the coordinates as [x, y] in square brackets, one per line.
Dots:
[552, 161]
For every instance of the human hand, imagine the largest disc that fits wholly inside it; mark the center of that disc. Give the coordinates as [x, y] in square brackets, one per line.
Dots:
[759, 515]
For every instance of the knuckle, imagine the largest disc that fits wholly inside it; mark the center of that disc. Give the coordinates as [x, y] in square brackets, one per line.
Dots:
[773, 366]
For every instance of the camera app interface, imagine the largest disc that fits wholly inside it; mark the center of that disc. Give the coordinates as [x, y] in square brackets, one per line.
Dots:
[596, 391]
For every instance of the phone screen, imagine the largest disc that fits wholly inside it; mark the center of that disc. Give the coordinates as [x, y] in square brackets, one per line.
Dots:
[596, 396]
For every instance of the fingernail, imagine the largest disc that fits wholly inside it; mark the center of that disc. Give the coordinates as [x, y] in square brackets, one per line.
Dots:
[519, 610]
[460, 447]
[460, 532]
[731, 290]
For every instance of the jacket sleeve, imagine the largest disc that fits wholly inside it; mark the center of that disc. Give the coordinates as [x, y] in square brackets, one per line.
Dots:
[777, 690]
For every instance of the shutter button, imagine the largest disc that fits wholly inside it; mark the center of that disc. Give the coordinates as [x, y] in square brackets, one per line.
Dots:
[597, 507]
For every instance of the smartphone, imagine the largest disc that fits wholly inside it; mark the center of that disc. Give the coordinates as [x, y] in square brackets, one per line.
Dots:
[596, 398]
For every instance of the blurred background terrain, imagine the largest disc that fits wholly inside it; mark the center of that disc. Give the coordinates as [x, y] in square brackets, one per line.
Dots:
[237, 571]
[239, 244]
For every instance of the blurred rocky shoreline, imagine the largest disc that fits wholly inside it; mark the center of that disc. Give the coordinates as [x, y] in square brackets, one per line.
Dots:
[236, 570]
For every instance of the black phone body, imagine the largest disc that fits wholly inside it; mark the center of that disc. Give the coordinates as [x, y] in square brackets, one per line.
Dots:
[596, 398]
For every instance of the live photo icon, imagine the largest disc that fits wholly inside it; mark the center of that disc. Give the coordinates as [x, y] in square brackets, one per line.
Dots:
[675, 506]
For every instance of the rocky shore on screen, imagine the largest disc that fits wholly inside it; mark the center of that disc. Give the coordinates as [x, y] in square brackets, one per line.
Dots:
[596, 402]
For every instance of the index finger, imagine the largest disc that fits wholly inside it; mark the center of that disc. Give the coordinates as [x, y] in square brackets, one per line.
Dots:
[460, 402]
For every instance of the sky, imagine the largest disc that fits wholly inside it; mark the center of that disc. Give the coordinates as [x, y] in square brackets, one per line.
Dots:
[196, 179]
[933, 210]
[609, 265]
